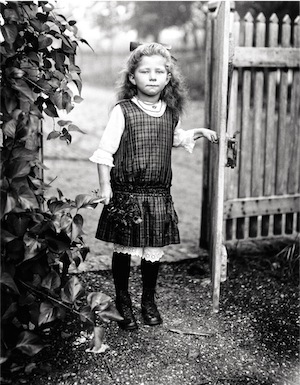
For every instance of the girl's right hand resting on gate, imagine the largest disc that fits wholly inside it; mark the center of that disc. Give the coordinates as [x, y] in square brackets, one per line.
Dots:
[211, 135]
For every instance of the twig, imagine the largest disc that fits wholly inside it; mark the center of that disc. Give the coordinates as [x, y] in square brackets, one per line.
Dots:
[203, 334]
[36, 291]
[109, 369]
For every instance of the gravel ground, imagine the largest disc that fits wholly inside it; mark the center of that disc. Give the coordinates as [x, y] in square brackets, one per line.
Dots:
[254, 339]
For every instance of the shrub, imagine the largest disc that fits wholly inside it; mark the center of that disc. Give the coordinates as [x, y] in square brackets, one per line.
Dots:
[39, 238]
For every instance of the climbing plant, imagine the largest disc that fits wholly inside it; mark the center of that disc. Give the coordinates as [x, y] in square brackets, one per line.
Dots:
[40, 238]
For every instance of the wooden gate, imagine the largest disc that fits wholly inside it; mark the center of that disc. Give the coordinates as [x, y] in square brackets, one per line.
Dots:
[260, 197]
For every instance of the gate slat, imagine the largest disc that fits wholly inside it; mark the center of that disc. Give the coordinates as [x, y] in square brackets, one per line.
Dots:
[271, 139]
[283, 128]
[295, 218]
[293, 175]
[246, 131]
[233, 124]
[258, 131]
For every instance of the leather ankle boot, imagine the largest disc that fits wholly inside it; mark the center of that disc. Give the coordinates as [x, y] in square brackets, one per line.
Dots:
[150, 312]
[124, 307]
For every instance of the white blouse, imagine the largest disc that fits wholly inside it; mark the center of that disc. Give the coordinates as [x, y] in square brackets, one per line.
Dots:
[113, 131]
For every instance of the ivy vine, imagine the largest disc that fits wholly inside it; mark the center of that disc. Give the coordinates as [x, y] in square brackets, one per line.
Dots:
[40, 238]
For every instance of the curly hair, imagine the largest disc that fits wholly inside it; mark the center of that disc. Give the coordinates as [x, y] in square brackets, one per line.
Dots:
[175, 92]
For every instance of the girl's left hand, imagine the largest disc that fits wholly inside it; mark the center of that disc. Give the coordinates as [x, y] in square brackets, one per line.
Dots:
[210, 135]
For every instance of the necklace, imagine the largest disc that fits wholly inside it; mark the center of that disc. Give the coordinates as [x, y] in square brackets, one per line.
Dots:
[149, 106]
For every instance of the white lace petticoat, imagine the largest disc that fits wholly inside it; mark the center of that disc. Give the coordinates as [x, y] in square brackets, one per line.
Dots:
[152, 254]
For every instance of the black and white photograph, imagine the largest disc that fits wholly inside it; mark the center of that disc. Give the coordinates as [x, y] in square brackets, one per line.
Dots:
[150, 192]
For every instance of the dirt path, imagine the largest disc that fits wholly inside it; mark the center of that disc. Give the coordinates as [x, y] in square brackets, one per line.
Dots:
[253, 340]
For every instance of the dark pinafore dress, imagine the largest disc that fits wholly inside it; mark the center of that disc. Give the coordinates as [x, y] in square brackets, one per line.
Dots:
[141, 212]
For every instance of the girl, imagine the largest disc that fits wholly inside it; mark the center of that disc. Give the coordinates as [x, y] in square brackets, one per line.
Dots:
[134, 167]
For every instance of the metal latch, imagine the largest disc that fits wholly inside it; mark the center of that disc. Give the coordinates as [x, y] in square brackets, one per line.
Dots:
[232, 145]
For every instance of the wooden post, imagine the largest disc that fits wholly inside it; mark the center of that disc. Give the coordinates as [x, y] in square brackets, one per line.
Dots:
[220, 121]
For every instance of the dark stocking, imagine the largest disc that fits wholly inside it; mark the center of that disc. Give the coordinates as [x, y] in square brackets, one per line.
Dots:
[121, 271]
[149, 309]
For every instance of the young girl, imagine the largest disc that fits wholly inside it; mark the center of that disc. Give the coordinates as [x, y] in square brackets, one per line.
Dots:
[134, 167]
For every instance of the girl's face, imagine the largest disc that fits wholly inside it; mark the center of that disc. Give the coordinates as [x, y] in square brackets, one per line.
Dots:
[150, 77]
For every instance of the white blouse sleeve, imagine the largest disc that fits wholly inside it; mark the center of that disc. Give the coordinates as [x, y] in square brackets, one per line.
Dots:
[184, 138]
[110, 139]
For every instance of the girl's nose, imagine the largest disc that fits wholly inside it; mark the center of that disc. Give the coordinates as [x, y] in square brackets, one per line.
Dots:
[152, 76]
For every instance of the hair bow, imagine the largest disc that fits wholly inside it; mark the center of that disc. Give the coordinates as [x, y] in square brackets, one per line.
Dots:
[135, 44]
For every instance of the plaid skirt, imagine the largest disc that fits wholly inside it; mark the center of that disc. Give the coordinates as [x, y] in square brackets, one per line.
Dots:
[145, 218]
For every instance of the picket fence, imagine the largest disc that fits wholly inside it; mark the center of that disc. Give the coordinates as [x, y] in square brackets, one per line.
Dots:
[261, 195]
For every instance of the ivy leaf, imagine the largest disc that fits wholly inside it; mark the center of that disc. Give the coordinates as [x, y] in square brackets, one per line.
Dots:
[51, 281]
[7, 280]
[10, 15]
[8, 203]
[72, 291]
[76, 257]
[9, 32]
[66, 223]
[65, 135]
[77, 226]
[18, 169]
[86, 314]
[6, 236]
[23, 153]
[64, 122]
[10, 312]
[47, 313]
[56, 206]
[67, 102]
[17, 224]
[110, 314]
[78, 99]
[85, 42]
[99, 300]
[56, 98]
[73, 127]
[58, 243]
[85, 201]
[10, 99]
[33, 247]
[26, 198]
[14, 72]
[50, 110]
[9, 128]
[53, 135]
[36, 24]
[21, 86]
[78, 85]
[65, 40]
[29, 343]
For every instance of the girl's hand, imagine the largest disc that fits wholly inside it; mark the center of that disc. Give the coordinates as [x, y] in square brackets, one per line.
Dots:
[106, 193]
[210, 135]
